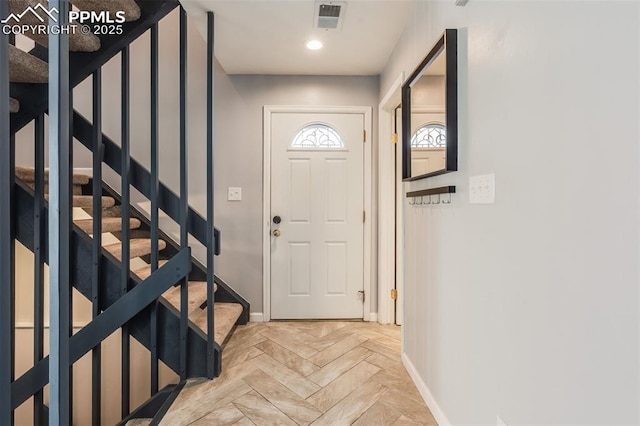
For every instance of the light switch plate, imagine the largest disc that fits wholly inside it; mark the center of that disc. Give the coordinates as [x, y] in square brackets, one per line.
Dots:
[234, 194]
[482, 189]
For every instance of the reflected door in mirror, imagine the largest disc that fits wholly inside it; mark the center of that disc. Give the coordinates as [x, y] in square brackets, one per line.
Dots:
[428, 142]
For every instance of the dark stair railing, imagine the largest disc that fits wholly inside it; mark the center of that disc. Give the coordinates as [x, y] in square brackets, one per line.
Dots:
[96, 249]
[39, 251]
[119, 299]
[60, 190]
[7, 255]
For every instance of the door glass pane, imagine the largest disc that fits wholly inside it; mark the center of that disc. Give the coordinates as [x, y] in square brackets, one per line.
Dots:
[316, 136]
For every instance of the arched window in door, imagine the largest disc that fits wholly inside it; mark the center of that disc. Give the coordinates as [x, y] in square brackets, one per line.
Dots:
[432, 135]
[317, 135]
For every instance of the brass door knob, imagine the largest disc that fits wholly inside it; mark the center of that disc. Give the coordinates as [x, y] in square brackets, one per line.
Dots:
[276, 233]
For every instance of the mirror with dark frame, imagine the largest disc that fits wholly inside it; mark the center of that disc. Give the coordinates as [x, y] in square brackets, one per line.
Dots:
[430, 113]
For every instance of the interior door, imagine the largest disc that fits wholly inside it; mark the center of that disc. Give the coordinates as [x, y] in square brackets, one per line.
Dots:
[317, 230]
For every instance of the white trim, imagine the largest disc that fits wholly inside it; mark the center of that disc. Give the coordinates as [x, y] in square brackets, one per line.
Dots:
[400, 206]
[386, 202]
[83, 171]
[266, 215]
[88, 171]
[424, 390]
[266, 197]
[27, 325]
[373, 317]
[256, 317]
[370, 271]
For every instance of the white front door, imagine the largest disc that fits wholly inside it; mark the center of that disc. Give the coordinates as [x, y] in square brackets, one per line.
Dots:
[317, 230]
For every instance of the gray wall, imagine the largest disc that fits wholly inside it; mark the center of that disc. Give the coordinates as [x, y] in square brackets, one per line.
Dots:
[528, 308]
[238, 159]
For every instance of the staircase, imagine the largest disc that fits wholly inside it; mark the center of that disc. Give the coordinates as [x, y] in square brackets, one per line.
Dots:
[226, 315]
[139, 279]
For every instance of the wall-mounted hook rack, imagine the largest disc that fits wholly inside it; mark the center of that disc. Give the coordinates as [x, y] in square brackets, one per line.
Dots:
[432, 191]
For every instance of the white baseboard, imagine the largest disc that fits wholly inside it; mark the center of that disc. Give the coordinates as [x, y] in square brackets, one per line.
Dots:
[78, 170]
[28, 325]
[256, 317]
[373, 317]
[437, 412]
[83, 171]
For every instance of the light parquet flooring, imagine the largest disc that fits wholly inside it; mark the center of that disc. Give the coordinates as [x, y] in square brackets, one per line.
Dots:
[306, 373]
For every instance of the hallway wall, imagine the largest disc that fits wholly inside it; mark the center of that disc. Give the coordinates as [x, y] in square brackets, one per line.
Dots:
[528, 308]
[238, 159]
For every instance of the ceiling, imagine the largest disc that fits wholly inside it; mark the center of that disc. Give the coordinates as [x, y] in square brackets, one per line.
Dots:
[269, 36]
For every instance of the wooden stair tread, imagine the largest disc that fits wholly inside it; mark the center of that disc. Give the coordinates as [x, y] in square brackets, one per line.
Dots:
[28, 175]
[225, 316]
[145, 272]
[109, 224]
[139, 422]
[138, 247]
[26, 68]
[197, 297]
[78, 42]
[86, 201]
[204, 284]
[76, 189]
[129, 7]
[14, 105]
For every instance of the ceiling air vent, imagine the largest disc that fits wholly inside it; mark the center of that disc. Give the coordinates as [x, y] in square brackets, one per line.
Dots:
[329, 15]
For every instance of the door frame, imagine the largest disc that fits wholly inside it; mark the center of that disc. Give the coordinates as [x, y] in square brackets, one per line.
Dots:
[389, 209]
[368, 273]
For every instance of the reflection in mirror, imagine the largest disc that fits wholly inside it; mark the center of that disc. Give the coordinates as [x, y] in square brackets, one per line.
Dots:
[430, 113]
[428, 124]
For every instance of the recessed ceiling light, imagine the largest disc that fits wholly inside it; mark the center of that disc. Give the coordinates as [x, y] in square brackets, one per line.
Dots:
[314, 44]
